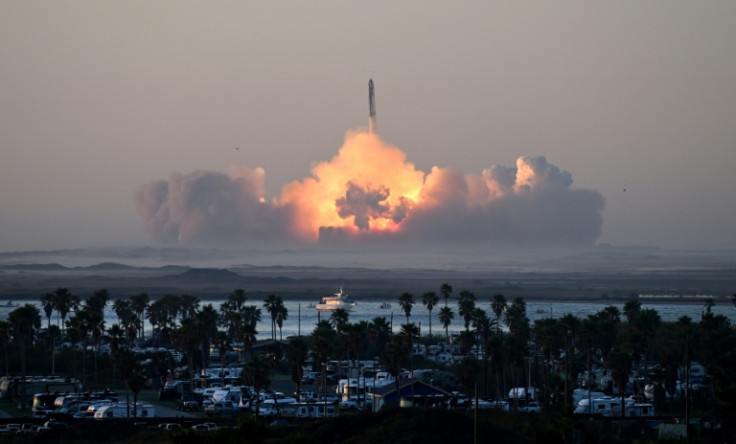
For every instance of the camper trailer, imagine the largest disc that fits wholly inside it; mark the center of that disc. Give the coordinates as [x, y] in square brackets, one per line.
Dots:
[121, 411]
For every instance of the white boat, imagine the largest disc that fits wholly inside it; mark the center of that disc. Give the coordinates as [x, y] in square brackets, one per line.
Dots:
[335, 301]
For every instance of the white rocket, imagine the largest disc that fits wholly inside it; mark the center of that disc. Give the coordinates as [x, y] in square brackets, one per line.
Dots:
[372, 108]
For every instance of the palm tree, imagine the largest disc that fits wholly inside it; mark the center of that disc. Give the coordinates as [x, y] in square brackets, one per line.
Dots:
[251, 316]
[322, 340]
[237, 298]
[587, 334]
[631, 310]
[63, 302]
[187, 340]
[139, 304]
[205, 321]
[281, 314]
[446, 290]
[96, 327]
[465, 307]
[517, 321]
[24, 321]
[78, 328]
[379, 333]
[446, 316]
[131, 371]
[339, 319]
[296, 354]
[394, 358]
[255, 374]
[273, 304]
[159, 317]
[222, 342]
[406, 301]
[47, 302]
[430, 299]
[115, 335]
[121, 307]
[498, 305]
[619, 362]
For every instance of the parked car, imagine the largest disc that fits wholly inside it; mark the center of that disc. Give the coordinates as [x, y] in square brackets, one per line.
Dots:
[351, 403]
[188, 402]
[220, 408]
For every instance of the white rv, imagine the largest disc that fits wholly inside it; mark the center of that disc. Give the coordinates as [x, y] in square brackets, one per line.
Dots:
[121, 411]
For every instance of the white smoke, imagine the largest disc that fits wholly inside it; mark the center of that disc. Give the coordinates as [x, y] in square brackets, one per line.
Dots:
[529, 204]
[211, 207]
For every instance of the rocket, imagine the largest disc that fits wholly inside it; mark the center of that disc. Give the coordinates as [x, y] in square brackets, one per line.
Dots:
[371, 108]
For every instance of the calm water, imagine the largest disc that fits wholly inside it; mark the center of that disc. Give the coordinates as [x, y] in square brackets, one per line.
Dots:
[302, 319]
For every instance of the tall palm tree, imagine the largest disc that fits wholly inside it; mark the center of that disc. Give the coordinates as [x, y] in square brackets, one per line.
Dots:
[115, 336]
[186, 339]
[64, 301]
[281, 314]
[256, 374]
[24, 321]
[632, 308]
[159, 317]
[446, 290]
[379, 333]
[446, 316]
[237, 298]
[322, 341]
[516, 319]
[251, 316]
[465, 307]
[273, 304]
[394, 358]
[189, 305]
[222, 342]
[430, 299]
[131, 372]
[619, 362]
[406, 302]
[296, 353]
[139, 303]
[339, 319]
[498, 305]
[121, 307]
[47, 302]
[78, 327]
[205, 321]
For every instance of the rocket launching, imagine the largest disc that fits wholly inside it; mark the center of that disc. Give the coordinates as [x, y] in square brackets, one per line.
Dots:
[369, 191]
[371, 108]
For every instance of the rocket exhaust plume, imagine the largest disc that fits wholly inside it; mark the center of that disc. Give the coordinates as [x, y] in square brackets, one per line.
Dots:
[369, 191]
[371, 108]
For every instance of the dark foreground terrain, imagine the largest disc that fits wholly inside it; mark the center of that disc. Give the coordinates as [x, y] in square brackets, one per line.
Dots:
[426, 426]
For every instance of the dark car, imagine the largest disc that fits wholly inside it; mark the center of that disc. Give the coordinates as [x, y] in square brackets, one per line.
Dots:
[188, 402]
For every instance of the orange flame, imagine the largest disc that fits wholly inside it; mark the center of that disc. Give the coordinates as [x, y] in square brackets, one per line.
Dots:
[367, 186]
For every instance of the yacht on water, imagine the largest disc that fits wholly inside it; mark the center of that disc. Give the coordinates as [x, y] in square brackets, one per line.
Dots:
[335, 301]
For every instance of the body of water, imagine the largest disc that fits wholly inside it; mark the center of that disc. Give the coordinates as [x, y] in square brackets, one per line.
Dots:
[302, 318]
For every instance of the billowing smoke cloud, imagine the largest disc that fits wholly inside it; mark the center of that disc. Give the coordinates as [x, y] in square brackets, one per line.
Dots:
[211, 207]
[368, 191]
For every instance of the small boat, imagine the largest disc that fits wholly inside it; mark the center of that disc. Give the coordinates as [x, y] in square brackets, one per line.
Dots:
[9, 304]
[335, 301]
[385, 305]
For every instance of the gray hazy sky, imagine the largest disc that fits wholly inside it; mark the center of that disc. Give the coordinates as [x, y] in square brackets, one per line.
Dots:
[98, 97]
